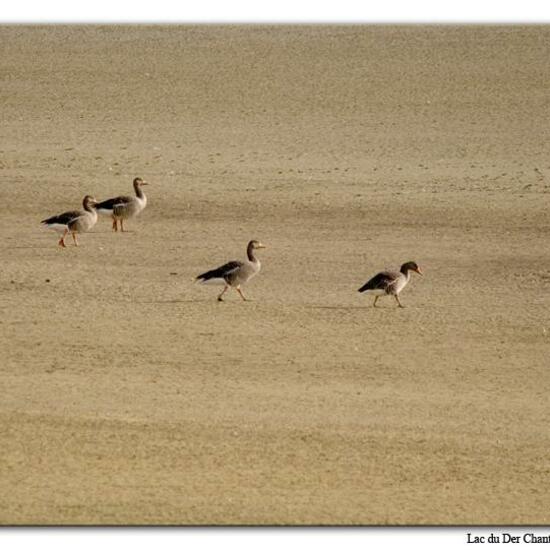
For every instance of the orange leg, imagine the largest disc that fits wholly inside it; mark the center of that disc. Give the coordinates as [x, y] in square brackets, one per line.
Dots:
[62, 240]
[220, 299]
[240, 292]
[115, 225]
[74, 238]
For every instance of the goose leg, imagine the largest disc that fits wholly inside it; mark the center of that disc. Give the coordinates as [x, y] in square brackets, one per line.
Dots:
[220, 299]
[62, 240]
[121, 224]
[397, 298]
[240, 292]
[115, 225]
[375, 300]
[74, 238]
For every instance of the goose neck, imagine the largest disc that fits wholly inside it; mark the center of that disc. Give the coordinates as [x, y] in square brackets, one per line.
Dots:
[139, 191]
[250, 254]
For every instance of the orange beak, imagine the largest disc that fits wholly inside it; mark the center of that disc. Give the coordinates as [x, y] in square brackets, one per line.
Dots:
[419, 271]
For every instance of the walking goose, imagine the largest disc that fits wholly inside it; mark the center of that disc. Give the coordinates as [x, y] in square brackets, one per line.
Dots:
[234, 274]
[75, 221]
[390, 282]
[124, 207]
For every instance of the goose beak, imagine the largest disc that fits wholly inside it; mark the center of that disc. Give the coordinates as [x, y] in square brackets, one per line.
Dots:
[419, 271]
[144, 183]
[260, 245]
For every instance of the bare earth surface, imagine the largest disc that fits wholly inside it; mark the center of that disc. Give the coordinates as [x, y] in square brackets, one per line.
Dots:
[129, 395]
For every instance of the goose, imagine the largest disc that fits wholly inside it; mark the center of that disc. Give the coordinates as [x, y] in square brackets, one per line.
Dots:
[124, 207]
[235, 273]
[390, 282]
[75, 221]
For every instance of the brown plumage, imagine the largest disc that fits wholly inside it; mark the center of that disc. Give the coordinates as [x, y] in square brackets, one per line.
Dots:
[235, 273]
[74, 221]
[124, 207]
[390, 282]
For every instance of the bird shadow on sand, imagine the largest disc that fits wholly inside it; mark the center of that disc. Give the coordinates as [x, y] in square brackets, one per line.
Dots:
[195, 301]
[361, 308]
[95, 232]
[44, 246]
[341, 308]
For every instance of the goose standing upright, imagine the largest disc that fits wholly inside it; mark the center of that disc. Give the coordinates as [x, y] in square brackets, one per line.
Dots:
[74, 221]
[235, 273]
[124, 207]
[390, 282]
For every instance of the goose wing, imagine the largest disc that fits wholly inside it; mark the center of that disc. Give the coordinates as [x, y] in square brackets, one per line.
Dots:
[110, 204]
[381, 281]
[222, 272]
[62, 219]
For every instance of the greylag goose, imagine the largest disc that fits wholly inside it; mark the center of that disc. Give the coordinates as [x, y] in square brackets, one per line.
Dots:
[390, 282]
[124, 207]
[75, 221]
[234, 274]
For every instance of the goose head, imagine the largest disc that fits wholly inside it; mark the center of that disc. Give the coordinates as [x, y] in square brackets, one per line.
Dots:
[410, 266]
[138, 182]
[89, 202]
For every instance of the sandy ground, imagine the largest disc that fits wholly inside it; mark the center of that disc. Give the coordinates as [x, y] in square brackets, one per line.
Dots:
[129, 395]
